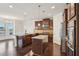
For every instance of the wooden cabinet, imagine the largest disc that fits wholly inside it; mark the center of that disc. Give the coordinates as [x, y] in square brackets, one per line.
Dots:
[72, 29]
[24, 40]
[51, 24]
[77, 29]
[27, 39]
[40, 45]
[37, 47]
[38, 25]
[19, 41]
[45, 26]
[50, 38]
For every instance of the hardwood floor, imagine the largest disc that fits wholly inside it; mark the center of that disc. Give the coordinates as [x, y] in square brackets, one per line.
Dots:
[8, 49]
[49, 50]
[52, 50]
[56, 50]
[23, 51]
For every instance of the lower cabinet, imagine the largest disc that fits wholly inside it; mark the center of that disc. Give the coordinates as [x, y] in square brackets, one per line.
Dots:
[19, 41]
[23, 41]
[37, 47]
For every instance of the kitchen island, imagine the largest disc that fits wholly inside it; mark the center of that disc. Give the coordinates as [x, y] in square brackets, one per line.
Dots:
[39, 44]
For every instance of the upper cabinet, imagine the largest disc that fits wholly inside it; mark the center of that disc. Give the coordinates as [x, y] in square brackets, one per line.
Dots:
[45, 27]
[45, 24]
[38, 25]
[51, 24]
[71, 10]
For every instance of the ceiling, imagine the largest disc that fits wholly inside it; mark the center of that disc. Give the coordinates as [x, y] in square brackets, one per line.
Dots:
[30, 10]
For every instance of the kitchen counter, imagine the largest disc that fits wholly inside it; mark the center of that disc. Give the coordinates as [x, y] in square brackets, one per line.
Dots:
[44, 38]
[39, 44]
[6, 37]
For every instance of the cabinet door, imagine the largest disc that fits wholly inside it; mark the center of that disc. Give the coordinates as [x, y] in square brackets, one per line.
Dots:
[46, 24]
[19, 41]
[51, 24]
[68, 5]
[38, 25]
[37, 46]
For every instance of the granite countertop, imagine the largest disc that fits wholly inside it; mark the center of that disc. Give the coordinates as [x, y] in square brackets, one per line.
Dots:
[44, 38]
[7, 37]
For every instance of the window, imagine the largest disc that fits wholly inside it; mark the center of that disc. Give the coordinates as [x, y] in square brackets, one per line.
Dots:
[10, 28]
[2, 28]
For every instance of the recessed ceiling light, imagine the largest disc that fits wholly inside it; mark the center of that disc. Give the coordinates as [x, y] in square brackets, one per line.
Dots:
[10, 6]
[53, 7]
[25, 13]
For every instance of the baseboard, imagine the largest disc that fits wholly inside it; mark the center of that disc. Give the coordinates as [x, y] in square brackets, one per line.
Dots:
[57, 43]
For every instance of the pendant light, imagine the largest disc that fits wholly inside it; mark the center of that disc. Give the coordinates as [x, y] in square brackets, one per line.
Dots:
[39, 11]
[39, 15]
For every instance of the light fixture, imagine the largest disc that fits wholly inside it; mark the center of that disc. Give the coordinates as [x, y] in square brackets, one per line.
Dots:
[39, 12]
[10, 6]
[38, 24]
[24, 13]
[53, 7]
[43, 25]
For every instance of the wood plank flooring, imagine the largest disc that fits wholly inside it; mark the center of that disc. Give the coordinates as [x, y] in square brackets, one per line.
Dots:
[7, 49]
[56, 50]
[10, 50]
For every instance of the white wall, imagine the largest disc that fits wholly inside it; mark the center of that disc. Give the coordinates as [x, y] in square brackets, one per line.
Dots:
[57, 20]
[29, 26]
[19, 27]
